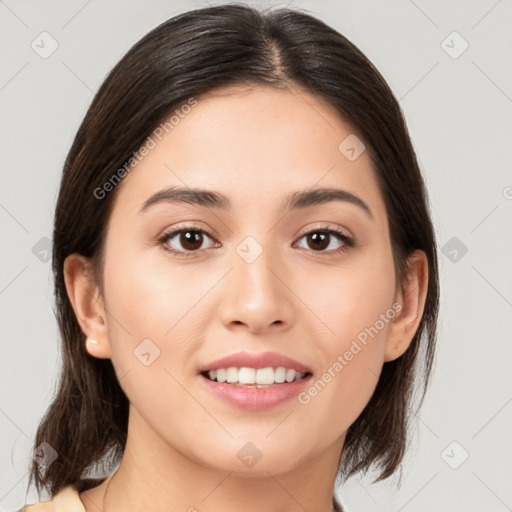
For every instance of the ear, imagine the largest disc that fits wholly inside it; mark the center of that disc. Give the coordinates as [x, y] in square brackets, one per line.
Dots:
[87, 303]
[411, 298]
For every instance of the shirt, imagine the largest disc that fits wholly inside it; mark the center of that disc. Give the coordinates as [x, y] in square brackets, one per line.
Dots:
[66, 500]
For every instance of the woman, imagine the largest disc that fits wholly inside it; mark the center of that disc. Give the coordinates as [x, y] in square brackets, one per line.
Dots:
[245, 270]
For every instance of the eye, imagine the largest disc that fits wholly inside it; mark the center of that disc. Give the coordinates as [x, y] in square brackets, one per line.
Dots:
[190, 238]
[320, 239]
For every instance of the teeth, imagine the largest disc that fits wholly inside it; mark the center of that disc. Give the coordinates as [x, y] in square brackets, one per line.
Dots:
[290, 375]
[280, 375]
[265, 376]
[232, 375]
[247, 376]
[260, 377]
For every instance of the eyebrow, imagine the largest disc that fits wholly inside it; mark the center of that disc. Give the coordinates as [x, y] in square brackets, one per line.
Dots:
[217, 200]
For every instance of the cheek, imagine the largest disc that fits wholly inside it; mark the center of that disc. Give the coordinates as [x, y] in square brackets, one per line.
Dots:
[338, 393]
[358, 309]
[153, 324]
[157, 313]
[152, 297]
[348, 299]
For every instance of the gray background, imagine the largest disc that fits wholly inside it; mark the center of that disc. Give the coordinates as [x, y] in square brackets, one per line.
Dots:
[459, 114]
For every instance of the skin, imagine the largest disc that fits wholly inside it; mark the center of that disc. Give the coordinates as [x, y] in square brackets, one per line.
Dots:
[256, 145]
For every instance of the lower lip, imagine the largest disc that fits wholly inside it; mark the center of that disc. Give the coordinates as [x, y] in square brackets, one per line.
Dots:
[255, 399]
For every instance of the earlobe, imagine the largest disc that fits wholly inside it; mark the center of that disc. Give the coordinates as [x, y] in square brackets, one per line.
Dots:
[412, 299]
[97, 349]
[84, 296]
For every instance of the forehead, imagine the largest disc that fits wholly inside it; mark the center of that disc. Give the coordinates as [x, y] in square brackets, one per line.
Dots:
[255, 144]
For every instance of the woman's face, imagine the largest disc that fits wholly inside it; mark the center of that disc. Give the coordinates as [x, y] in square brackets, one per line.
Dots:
[255, 277]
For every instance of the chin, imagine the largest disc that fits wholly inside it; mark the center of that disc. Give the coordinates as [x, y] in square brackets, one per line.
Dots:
[252, 461]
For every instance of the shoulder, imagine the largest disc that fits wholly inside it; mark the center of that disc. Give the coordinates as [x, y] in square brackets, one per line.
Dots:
[67, 500]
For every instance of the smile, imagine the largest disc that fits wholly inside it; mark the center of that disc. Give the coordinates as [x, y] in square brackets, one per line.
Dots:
[255, 377]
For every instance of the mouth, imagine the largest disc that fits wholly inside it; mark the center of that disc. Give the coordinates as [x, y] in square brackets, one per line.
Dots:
[254, 389]
[255, 377]
[255, 382]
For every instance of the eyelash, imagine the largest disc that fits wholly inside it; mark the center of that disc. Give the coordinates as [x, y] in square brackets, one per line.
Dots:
[348, 242]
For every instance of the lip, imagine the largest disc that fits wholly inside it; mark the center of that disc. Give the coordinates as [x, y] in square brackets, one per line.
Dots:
[262, 360]
[255, 399]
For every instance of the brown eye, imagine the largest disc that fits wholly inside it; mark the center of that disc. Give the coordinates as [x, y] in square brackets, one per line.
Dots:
[318, 241]
[191, 240]
[321, 239]
[185, 241]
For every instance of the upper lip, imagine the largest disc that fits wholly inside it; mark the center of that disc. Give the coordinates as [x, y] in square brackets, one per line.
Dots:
[262, 360]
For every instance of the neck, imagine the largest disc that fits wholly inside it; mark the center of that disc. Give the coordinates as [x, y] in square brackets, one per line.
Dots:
[164, 479]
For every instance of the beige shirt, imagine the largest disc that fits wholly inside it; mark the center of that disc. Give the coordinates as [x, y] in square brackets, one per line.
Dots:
[67, 500]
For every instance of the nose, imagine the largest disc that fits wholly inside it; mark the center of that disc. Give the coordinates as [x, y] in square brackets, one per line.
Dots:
[257, 296]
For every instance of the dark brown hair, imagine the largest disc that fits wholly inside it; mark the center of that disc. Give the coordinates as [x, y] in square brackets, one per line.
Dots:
[187, 56]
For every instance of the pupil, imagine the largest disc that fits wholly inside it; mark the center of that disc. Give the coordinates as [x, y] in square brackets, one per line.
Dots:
[319, 240]
[191, 240]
